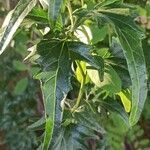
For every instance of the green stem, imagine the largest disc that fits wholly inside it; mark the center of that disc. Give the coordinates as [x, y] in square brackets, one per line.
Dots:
[70, 14]
[82, 3]
[81, 91]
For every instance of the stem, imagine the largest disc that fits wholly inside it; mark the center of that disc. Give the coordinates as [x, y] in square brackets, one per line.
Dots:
[82, 3]
[70, 14]
[81, 91]
[86, 34]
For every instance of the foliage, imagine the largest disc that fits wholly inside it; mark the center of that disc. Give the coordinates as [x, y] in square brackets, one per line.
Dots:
[91, 67]
[17, 100]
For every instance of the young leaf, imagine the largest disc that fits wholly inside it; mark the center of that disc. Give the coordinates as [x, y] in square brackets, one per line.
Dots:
[126, 99]
[107, 3]
[17, 16]
[37, 124]
[111, 82]
[98, 34]
[55, 84]
[39, 16]
[79, 73]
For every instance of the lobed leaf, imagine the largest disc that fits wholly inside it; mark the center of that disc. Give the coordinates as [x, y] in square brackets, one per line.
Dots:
[55, 84]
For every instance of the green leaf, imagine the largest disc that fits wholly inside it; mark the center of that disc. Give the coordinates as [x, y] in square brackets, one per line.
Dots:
[18, 65]
[17, 16]
[130, 39]
[79, 73]
[21, 86]
[54, 10]
[114, 106]
[108, 3]
[75, 135]
[38, 15]
[98, 34]
[55, 84]
[125, 96]
[111, 82]
[81, 51]
[37, 124]
[116, 131]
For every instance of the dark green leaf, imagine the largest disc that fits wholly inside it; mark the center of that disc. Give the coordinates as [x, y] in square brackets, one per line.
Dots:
[114, 106]
[75, 136]
[130, 39]
[55, 84]
[81, 51]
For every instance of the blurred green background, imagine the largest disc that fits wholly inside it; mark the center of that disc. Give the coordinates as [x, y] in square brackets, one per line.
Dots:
[20, 95]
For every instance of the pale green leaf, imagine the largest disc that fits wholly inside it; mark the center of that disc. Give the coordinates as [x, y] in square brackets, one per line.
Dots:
[111, 82]
[17, 16]
[79, 72]
[125, 96]
[98, 34]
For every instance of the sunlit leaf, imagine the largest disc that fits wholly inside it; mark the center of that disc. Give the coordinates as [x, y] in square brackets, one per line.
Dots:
[81, 69]
[19, 13]
[111, 82]
[126, 99]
